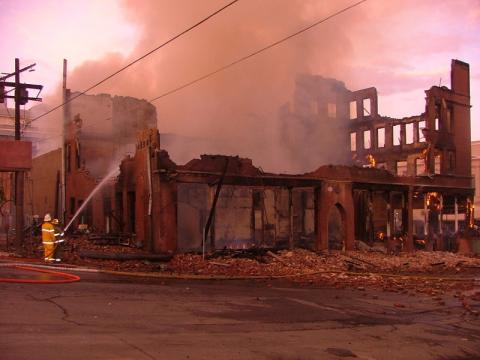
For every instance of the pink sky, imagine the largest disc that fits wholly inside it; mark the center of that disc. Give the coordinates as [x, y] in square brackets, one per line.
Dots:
[401, 47]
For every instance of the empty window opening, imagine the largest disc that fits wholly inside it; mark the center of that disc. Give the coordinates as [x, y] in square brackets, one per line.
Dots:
[381, 137]
[398, 221]
[449, 120]
[107, 211]
[401, 168]
[336, 229]
[353, 141]
[72, 205]
[257, 200]
[421, 136]
[83, 213]
[332, 110]
[419, 221]
[438, 161]
[78, 155]
[353, 110]
[367, 141]
[420, 166]
[68, 157]
[131, 211]
[367, 107]
[397, 135]
[409, 133]
[437, 117]
[448, 125]
[451, 161]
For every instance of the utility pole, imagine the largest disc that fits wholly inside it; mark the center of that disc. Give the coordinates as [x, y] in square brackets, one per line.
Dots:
[19, 175]
[63, 192]
[21, 98]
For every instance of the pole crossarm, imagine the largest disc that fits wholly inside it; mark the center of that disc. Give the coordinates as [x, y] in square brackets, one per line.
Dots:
[26, 86]
[20, 70]
[23, 98]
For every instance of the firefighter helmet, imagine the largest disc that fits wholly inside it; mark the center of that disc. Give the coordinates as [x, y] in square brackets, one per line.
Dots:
[55, 221]
[47, 217]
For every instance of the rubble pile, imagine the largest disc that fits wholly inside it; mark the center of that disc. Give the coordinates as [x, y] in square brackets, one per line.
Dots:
[304, 265]
[433, 273]
[299, 261]
[433, 262]
[84, 243]
[73, 248]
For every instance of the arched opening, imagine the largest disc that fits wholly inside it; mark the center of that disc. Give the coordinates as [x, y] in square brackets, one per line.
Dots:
[336, 228]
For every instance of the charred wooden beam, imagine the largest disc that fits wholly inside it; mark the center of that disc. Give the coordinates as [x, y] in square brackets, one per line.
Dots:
[123, 257]
[215, 199]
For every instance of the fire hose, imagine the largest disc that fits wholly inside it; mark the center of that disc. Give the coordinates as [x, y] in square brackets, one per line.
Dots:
[176, 276]
[62, 277]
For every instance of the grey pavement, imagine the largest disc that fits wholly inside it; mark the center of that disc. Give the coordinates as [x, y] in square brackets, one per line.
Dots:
[114, 317]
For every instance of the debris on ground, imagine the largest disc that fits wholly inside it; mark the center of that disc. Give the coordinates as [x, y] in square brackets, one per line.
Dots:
[432, 273]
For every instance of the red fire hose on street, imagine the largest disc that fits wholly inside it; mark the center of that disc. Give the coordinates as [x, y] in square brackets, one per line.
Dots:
[61, 276]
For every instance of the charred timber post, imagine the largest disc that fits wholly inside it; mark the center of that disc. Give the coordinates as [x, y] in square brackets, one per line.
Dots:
[409, 244]
[391, 222]
[124, 256]
[290, 216]
[456, 214]
[212, 210]
[150, 200]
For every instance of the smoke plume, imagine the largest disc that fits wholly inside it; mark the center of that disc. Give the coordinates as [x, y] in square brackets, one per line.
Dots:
[236, 111]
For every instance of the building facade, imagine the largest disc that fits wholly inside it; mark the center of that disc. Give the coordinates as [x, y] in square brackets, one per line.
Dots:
[405, 180]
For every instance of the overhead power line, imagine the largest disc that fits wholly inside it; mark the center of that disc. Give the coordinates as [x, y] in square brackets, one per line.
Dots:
[225, 67]
[138, 59]
[246, 57]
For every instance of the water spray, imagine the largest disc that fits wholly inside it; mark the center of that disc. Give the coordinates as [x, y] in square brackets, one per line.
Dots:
[112, 173]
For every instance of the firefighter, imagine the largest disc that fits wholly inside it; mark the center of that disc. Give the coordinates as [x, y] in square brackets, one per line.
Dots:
[48, 238]
[59, 239]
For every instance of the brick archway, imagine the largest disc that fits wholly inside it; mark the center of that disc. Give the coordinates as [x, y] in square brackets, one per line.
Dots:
[336, 226]
[337, 195]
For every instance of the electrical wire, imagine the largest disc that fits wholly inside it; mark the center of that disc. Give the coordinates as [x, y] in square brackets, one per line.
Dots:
[225, 67]
[138, 59]
[256, 52]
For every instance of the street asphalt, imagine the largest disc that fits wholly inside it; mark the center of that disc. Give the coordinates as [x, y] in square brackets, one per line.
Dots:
[118, 317]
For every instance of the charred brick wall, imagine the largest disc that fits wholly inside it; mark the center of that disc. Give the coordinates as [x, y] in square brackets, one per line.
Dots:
[436, 142]
[331, 197]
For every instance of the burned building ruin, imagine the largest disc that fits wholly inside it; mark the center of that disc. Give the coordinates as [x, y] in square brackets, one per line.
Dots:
[407, 180]
[399, 183]
[98, 131]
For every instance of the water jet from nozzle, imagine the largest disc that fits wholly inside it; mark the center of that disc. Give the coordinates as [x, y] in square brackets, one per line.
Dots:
[111, 174]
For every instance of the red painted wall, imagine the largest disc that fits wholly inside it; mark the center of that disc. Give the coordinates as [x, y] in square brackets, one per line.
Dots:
[15, 155]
